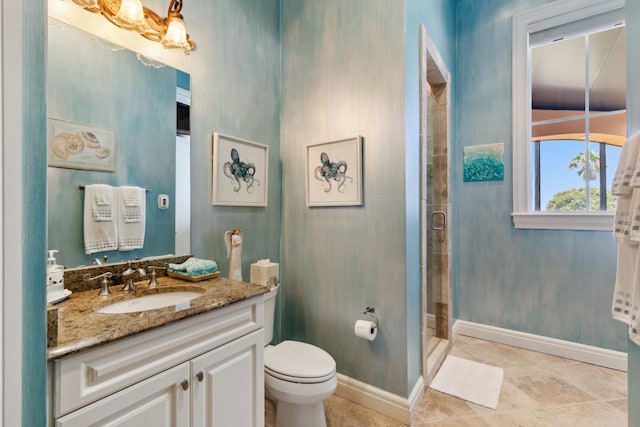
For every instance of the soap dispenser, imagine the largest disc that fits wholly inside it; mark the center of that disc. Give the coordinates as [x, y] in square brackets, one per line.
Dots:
[55, 273]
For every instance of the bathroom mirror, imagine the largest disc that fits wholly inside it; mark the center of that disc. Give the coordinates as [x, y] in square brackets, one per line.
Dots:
[93, 84]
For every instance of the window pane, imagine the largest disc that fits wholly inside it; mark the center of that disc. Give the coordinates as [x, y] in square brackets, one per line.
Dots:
[562, 188]
[613, 155]
[558, 77]
[607, 70]
[608, 130]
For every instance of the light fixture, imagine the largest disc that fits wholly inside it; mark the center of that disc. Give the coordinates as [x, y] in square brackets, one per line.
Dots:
[132, 15]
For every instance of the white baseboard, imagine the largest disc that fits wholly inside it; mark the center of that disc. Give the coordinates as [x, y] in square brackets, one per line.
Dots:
[567, 349]
[389, 404]
[404, 409]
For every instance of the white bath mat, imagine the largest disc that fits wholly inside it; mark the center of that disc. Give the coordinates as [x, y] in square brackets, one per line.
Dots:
[469, 380]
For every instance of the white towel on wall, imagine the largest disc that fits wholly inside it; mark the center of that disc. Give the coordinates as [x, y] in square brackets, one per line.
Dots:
[100, 228]
[627, 168]
[131, 217]
[626, 296]
[622, 220]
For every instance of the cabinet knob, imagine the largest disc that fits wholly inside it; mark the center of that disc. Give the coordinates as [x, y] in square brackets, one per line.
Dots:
[200, 376]
[185, 385]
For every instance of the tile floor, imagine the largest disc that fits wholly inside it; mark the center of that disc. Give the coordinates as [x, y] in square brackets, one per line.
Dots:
[538, 391]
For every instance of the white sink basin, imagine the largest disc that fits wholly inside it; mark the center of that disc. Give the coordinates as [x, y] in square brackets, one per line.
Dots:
[151, 302]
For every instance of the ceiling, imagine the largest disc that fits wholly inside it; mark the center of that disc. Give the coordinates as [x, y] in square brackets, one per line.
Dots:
[558, 73]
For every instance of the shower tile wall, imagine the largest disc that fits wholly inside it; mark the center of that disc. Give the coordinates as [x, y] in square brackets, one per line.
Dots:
[438, 200]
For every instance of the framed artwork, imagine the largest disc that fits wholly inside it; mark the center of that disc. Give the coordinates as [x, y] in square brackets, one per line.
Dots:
[334, 173]
[75, 146]
[239, 172]
[483, 162]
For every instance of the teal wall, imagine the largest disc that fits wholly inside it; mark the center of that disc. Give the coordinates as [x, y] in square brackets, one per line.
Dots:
[553, 283]
[347, 68]
[235, 88]
[34, 208]
[342, 75]
[92, 85]
[632, 12]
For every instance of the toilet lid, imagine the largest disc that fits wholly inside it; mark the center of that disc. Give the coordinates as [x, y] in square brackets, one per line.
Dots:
[299, 362]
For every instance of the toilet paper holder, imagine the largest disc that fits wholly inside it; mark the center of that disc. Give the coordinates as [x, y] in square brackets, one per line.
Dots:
[370, 311]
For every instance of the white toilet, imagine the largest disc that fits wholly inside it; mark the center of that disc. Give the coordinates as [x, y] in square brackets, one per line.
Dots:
[297, 375]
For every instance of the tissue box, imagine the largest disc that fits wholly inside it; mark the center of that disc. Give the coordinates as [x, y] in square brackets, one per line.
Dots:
[262, 270]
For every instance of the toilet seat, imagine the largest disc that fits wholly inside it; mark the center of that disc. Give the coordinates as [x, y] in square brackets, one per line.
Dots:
[299, 362]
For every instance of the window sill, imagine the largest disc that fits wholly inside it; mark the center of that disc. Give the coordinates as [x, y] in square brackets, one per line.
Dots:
[593, 221]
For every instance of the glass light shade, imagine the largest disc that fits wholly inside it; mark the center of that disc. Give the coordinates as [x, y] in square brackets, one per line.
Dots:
[131, 13]
[176, 35]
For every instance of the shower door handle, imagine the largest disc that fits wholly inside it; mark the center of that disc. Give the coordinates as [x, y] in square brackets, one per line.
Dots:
[443, 223]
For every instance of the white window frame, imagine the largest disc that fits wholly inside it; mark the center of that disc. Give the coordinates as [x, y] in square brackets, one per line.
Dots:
[534, 20]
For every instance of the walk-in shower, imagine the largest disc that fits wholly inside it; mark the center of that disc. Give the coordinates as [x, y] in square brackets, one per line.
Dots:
[434, 204]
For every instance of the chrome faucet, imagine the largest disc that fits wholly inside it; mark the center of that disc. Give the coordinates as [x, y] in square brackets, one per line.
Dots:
[128, 275]
[96, 261]
[104, 289]
[152, 270]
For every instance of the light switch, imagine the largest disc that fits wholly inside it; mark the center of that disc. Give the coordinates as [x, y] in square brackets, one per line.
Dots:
[163, 201]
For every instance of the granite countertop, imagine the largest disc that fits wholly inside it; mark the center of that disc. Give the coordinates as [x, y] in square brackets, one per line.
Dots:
[75, 324]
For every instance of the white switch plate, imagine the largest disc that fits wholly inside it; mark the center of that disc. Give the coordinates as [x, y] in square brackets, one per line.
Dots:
[163, 201]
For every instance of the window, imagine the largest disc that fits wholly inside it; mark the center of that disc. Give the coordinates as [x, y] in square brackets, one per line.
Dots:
[569, 105]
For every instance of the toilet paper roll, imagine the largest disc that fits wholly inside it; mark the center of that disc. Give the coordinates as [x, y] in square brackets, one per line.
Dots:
[366, 329]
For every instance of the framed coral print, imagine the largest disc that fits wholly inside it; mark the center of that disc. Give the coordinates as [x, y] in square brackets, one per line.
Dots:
[76, 146]
[239, 172]
[483, 162]
[334, 173]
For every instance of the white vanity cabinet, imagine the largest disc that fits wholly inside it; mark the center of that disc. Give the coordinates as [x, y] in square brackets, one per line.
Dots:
[202, 371]
[156, 401]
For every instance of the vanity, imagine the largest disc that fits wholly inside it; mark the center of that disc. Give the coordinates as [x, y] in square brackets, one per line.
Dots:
[195, 363]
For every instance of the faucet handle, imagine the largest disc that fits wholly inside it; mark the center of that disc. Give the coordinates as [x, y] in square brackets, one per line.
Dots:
[104, 283]
[152, 270]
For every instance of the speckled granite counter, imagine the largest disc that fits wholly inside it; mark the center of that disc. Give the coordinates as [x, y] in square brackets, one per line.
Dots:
[79, 326]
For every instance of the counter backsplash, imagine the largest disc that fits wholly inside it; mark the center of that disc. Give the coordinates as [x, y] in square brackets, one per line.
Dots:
[73, 277]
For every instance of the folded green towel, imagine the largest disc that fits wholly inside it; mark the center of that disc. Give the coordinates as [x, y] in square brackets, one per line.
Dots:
[195, 266]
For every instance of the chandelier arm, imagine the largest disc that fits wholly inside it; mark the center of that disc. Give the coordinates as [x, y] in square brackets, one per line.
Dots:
[155, 21]
[175, 6]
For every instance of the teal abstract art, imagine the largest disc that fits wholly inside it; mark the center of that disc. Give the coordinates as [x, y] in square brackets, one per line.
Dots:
[484, 163]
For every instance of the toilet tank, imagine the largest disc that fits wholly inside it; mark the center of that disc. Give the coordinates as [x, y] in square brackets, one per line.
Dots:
[269, 313]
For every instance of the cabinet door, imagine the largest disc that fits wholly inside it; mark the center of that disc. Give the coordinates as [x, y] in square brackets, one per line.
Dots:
[228, 384]
[157, 401]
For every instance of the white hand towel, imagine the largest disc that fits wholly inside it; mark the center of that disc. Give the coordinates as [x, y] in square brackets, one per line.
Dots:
[626, 296]
[627, 168]
[100, 228]
[131, 218]
[622, 221]
[625, 273]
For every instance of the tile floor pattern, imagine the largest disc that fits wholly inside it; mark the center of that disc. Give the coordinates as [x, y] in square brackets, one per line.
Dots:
[538, 391]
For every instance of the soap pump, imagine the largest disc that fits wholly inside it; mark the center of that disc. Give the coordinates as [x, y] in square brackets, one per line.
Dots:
[55, 272]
